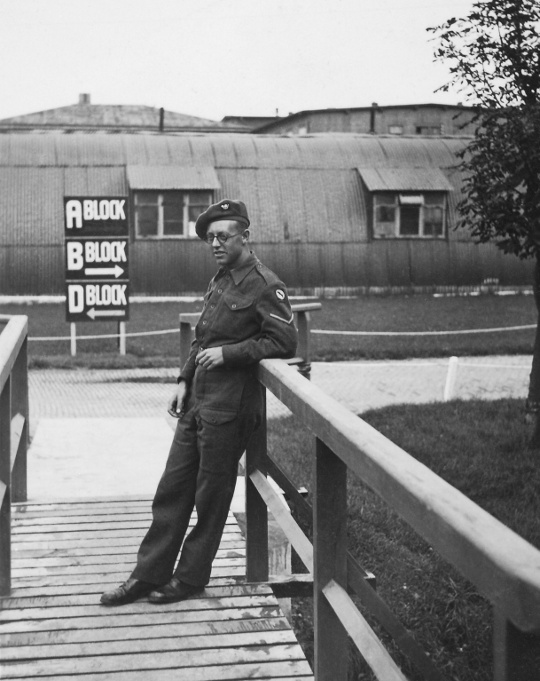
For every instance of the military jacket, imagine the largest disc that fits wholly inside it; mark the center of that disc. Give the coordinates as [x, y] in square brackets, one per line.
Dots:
[247, 312]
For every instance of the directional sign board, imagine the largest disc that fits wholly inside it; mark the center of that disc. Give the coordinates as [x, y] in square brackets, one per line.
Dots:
[96, 257]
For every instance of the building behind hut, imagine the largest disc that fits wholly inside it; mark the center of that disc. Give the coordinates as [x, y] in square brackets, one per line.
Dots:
[401, 119]
[343, 212]
[89, 117]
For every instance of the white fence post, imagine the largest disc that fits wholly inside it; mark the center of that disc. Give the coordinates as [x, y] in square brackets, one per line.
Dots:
[73, 343]
[450, 379]
[122, 337]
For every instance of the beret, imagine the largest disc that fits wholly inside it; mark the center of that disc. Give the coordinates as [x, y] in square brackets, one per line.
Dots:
[227, 209]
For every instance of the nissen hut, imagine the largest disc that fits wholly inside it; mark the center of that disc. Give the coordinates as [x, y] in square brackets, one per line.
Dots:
[333, 212]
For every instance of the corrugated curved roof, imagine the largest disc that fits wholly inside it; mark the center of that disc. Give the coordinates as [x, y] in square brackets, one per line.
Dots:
[226, 150]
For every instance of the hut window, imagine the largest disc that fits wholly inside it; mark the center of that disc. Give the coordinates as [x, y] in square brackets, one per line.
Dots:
[386, 210]
[428, 130]
[168, 214]
[409, 215]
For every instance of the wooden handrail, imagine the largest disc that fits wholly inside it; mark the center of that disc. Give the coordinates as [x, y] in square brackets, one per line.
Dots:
[13, 432]
[503, 567]
[12, 338]
[465, 534]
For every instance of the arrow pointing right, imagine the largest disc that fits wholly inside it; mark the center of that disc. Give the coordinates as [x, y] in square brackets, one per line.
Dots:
[115, 271]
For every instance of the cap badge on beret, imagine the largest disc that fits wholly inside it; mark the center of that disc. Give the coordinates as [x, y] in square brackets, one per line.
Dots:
[225, 206]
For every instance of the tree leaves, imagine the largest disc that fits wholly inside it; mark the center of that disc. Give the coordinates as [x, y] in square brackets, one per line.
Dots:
[493, 56]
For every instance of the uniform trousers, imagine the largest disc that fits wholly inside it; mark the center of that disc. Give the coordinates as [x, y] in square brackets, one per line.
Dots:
[200, 473]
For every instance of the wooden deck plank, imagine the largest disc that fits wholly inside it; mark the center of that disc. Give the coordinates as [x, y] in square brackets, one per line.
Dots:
[212, 596]
[106, 578]
[228, 557]
[30, 641]
[277, 671]
[65, 554]
[81, 508]
[54, 533]
[142, 645]
[37, 520]
[94, 608]
[109, 549]
[125, 567]
[149, 661]
[79, 599]
[40, 542]
[249, 610]
[30, 589]
[91, 526]
[88, 501]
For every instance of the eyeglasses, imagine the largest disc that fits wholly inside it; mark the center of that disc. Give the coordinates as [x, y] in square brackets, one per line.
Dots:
[221, 237]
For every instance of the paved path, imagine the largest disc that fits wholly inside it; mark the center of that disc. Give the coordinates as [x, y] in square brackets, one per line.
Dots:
[85, 422]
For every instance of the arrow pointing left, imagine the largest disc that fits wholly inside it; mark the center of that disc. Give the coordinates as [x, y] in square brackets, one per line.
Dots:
[92, 313]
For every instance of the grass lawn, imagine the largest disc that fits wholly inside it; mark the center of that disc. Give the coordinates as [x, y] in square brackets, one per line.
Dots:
[480, 448]
[415, 313]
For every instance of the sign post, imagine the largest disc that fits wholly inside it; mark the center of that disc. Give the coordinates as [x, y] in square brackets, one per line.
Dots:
[96, 258]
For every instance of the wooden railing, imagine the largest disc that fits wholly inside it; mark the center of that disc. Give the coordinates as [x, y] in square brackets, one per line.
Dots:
[504, 568]
[14, 431]
[302, 311]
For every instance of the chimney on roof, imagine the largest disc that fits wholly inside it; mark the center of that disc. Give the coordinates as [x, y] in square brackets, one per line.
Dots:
[84, 99]
[372, 125]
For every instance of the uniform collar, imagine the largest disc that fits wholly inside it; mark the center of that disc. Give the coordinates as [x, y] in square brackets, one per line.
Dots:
[239, 273]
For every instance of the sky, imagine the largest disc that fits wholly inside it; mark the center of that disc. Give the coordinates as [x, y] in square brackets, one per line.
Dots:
[213, 58]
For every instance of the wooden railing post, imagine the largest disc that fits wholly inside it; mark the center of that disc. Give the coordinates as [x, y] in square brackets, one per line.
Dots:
[330, 554]
[5, 488]
[303, 323]
[256, 511]
[19, 405]
[516, 655]
[304, 345]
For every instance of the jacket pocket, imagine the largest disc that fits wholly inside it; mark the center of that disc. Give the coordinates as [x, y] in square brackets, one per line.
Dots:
[236, 301]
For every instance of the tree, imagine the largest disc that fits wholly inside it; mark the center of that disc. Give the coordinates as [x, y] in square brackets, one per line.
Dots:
[494, 59]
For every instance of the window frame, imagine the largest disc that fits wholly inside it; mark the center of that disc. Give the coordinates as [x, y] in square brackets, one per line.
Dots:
[428, 130]
[190, 198]
[395, 200]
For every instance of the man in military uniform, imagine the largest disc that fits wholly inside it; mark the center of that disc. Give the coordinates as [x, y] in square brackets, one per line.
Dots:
[246, 317]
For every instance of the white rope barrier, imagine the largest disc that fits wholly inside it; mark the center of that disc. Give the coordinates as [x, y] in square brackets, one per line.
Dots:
[423, 333]
[495, 366]
[318, 331]
[105, 335]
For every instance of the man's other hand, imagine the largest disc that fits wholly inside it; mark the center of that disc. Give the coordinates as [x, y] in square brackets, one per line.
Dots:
[210, 358]
[176, 403]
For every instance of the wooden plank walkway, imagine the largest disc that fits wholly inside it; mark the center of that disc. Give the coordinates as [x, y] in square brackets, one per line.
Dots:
[52, 626]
